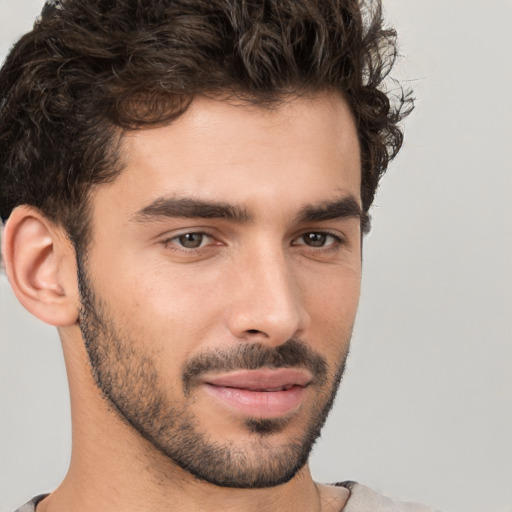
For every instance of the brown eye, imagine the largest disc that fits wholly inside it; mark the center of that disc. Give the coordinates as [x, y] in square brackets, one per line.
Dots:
[315, 239]
[191, 240]
[319, 239]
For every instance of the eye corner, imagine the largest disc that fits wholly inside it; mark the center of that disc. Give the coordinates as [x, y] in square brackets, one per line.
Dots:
[319, 239]
[188, 241]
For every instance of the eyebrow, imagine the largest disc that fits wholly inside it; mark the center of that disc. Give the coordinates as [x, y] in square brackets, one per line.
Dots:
[169, 207]
[192, 209]
[329, 210]
[345, 207]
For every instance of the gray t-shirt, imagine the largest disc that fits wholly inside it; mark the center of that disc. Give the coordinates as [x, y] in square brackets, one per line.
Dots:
[362, 499]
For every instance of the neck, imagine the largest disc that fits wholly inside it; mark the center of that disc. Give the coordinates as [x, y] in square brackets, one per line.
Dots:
[113, 468]
[136, 491]
[107, 477]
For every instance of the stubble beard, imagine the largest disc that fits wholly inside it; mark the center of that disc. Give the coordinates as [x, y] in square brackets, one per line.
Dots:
[130, 382]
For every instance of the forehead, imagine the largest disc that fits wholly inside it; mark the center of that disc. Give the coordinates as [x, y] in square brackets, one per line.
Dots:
[299, 151]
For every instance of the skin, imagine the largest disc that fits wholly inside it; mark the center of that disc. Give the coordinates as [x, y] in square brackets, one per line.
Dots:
[252, 282]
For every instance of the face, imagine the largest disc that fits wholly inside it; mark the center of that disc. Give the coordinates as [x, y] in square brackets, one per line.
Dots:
[221, 285]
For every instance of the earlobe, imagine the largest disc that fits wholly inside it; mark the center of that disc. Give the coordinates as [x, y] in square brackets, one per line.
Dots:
[39, 261]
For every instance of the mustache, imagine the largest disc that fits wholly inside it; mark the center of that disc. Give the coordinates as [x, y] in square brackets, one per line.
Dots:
[291, 354]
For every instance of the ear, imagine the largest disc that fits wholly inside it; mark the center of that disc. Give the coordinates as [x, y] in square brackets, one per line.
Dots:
[41, 266]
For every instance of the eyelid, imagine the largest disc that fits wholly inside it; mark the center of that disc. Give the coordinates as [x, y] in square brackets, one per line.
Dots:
[339, 239]
[169, 240]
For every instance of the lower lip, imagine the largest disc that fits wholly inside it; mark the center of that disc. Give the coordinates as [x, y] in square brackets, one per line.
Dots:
[260, 404]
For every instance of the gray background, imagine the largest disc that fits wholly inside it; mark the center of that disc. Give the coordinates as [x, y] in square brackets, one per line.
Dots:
[425, 410]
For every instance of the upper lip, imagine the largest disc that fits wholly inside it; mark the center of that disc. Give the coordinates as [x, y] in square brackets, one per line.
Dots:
[263, 379]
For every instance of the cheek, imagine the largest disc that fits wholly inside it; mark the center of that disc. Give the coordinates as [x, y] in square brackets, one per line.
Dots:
[335, 291]
[332, 306]
[171, 316]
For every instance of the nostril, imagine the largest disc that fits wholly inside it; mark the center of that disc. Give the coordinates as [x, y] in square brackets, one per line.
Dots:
[253, 331]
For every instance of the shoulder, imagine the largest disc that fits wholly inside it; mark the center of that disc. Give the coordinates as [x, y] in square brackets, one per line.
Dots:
[31, 505]
[364, 499]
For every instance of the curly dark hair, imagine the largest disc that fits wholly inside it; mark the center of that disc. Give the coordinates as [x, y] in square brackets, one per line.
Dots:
[91, 70]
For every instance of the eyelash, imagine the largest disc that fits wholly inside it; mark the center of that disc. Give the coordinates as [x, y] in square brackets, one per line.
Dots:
[169, 241]
[338, 241]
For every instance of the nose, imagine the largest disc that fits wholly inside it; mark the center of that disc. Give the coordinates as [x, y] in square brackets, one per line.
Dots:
[267, 302]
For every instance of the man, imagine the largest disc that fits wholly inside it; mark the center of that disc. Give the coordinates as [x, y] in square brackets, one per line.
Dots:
[185, 187]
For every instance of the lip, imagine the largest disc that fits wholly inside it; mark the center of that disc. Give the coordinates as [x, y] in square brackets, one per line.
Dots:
[263, 393]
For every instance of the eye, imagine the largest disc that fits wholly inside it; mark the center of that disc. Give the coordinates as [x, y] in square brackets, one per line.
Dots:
[194, 240]
[318, 239]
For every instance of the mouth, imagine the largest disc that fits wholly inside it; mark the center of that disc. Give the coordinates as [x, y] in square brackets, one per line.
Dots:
[264, 393]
